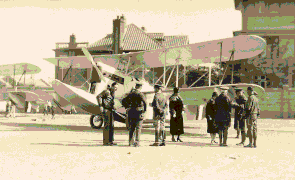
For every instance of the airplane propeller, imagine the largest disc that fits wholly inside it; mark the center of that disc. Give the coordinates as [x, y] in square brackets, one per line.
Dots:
[89, 57]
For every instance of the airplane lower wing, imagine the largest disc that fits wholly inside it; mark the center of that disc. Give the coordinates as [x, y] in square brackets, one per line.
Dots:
[81, 98]
[200, 95]
[77, 97]
[196, 96]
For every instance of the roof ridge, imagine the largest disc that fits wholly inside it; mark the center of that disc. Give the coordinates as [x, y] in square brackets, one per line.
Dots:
[176, 35]
[144, 33]
[157, 42]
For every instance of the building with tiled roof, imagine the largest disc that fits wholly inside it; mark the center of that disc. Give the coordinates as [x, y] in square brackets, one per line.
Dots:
[124, 39]
[131, 38]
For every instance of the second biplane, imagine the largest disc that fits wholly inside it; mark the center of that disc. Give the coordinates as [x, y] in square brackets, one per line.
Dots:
[23, 92]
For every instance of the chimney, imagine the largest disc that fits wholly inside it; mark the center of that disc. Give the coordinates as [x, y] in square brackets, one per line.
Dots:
[160, 40]
[119, 28]
[122, 28]
[72, 41]
[143, 29]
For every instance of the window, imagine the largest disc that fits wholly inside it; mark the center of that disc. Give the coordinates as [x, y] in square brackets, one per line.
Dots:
[272, 47]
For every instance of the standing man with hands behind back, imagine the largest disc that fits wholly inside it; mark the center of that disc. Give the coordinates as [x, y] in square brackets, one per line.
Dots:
[159, 105]
[135, 103]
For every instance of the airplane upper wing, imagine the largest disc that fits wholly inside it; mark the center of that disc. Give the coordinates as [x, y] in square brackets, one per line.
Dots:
[4, 83]
[245, 46]
[8, 69]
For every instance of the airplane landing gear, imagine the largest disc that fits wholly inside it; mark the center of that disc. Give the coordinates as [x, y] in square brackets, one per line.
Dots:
[96, 121]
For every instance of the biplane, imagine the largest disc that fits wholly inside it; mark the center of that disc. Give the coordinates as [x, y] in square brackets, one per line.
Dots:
[107, 66]
[22, 91]
[9, 85]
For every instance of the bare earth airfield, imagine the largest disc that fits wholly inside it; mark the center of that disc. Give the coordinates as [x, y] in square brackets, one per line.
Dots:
[68, 148]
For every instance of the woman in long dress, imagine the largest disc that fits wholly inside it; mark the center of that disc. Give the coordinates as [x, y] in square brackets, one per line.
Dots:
[210, 116]
[176, 108]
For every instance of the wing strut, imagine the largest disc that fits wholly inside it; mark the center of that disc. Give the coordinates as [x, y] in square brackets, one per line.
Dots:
[161, 76]
[231, 57]
[21, 77]
[198, 79]
[171, 74]
[67, 73]
[220, 58]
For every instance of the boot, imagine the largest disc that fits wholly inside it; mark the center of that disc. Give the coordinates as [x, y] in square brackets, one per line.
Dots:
[173, 139]
[156, 139]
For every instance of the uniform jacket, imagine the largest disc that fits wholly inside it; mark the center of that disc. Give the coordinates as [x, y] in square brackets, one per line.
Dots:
[241, 104]
[106, 99]
[135, 100]
[252, 105]
[159, 104]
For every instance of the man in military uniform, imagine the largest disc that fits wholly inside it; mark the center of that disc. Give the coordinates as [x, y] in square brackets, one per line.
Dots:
[159, 105]
[106, 103]
[135, 103]
[241, 100]
[223, 115]
[126, 104]
[252, 114]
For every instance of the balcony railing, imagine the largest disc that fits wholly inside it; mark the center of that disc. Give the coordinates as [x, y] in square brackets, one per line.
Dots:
[80, 45]
[66, 45]
[61, 45]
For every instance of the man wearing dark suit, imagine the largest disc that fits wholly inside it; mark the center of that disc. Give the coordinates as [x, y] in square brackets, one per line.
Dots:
[135, 103]
[223, 115]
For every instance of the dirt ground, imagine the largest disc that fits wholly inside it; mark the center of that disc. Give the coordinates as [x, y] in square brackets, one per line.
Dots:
[67, 148]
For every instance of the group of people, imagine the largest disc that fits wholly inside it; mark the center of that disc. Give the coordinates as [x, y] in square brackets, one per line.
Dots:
[218, 115]
[10, 109]
[136, 106]
[49, 108]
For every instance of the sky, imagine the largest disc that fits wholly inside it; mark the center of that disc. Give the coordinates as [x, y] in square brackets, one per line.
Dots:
[30, 28]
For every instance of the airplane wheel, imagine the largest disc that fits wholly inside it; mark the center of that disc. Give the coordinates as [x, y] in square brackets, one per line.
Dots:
[96, 121]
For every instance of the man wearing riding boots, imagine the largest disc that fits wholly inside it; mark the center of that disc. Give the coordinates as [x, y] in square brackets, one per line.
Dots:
[159, 105]
[252, 114]
[135, 103]
[239, 125]
[106, 103]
